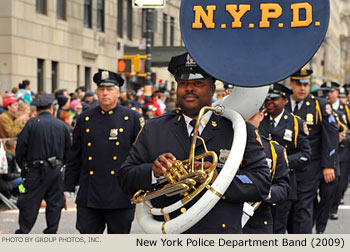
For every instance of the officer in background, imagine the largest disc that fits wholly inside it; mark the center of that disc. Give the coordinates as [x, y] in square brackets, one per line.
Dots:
[41, 152]
[102, 140]
[291, 132]
[323, 137]
[342, 112]
[262, 221]
[166, 139]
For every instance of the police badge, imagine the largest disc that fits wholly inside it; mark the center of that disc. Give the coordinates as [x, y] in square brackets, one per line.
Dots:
[224, 155]
[288, 135]
[113, 135]
[310, 119]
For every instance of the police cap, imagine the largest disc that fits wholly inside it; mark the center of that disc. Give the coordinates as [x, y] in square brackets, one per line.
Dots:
[342, 92]
[184, 67]
[321, 92]
[331, 85]
[303, 75]
[346, 86]
[44, 100]
[107, 78]
[278, 90]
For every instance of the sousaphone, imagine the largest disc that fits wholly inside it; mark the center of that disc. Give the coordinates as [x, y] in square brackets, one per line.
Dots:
[250, 44]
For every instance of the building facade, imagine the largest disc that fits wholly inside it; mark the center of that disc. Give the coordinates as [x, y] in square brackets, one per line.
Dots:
[62, 43]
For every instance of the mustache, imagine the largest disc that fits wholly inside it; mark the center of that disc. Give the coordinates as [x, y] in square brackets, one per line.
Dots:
[190, 93]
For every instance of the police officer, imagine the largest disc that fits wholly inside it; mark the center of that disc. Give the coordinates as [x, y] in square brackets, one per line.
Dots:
[323, 137]
[342, 112]
[102, 139]
[262, 221]
[291, 132]
[41, 152]
[167, 138]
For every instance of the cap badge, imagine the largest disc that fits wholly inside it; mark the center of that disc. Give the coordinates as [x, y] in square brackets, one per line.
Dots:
[190, 61]
[113, 135]
[303, 71]
[104, 75]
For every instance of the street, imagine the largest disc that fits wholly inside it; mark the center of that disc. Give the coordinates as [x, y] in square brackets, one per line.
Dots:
[9, 220]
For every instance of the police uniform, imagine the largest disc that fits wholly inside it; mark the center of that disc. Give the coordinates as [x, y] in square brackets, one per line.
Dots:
[101, 143]
[41, 151]
[262, 222]
[169, 134]
[323, 137]
[291, 132]
[343, 115]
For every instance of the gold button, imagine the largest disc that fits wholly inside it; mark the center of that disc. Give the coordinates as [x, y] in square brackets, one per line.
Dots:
[87, 118]
[87, 130]
[274, 204]
[223, 197]
[112, 172]
[126, 118]
[115, 158]
[89, 144]
[286, 146]
[102, 112]
[291, 169]
[121, 130]
[90, 158]
[265, 222]
[91, 172]
[223, 225]
[183, 210]
[117, 143]
[110, 112]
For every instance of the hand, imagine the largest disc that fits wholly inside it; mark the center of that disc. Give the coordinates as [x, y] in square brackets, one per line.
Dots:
[206, 165]
[328, 174]
[163, 163]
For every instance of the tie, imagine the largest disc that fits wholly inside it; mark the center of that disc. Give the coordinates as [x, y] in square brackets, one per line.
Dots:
[193, 124]
[273, 123]
[296, 108]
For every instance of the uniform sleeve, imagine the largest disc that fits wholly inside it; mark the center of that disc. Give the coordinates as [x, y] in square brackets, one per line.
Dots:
[280, 183]
[330, 137]
[72, 172]
[252, 181]
[136, 172]
[302, 157]
[22, 145]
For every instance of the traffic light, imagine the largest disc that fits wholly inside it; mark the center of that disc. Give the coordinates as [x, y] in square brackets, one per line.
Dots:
[132, 65]
[124, 66]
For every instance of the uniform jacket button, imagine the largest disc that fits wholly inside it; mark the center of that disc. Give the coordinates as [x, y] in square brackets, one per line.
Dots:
[112, 172]
[91, 173]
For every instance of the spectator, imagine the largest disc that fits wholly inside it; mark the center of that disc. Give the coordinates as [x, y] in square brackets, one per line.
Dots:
[63, 104]
[1, 104]
[67, 118]
[24, 92]
[89, 101]
[33, 112]
[153, 101]
[77, 108]
[148, 111]
[10, 125]
[80, 92]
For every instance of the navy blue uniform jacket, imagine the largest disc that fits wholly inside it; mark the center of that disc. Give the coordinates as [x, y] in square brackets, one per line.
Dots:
[168, 133]
[101, 143]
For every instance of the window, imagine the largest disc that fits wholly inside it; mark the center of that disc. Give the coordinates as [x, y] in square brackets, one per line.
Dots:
[101, 15]
[172, 31]
[87, 78]
[78, 76]
[61, 9]
[144, 24]
[129, 20]
[40, 74]
[88, 13]
[120, 18]
[54, 76]
[165, 29]
[41, 6]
